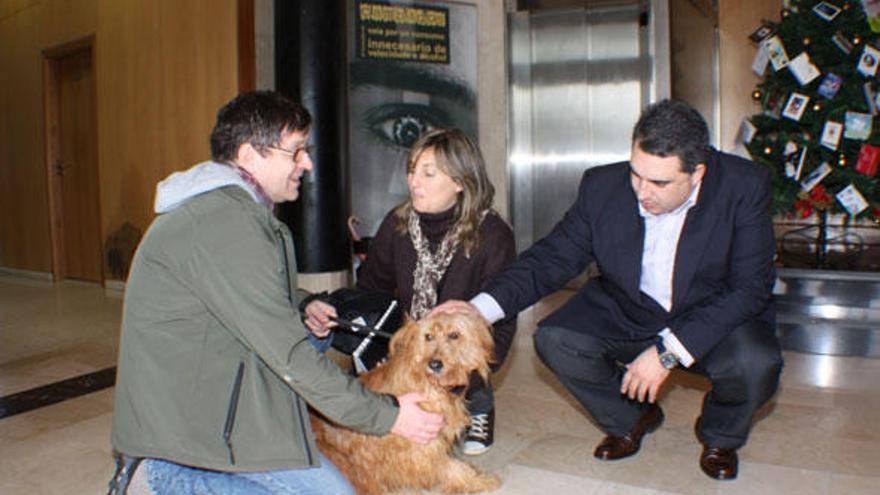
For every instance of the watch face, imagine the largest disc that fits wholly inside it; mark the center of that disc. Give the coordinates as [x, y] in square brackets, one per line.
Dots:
[667, 360]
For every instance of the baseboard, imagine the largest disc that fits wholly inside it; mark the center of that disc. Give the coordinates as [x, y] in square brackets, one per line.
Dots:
[118, 285]
[114, 288]
[33, 275]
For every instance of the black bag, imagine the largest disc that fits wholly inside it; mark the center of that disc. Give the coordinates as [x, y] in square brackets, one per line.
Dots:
[366, 319]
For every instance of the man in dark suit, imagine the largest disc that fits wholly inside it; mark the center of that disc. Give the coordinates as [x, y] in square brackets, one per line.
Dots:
[683, 240]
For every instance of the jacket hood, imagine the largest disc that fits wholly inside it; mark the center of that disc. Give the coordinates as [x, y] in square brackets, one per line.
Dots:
[180, 187]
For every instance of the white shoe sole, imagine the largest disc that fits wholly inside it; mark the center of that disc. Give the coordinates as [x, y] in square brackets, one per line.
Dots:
[474, 448]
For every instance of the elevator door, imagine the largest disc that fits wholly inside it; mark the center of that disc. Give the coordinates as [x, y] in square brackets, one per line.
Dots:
[578, 80]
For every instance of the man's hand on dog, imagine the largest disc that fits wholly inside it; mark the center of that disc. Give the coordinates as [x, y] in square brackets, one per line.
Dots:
[413, 422]
[643, 376]
[319, 318]
[455, 306]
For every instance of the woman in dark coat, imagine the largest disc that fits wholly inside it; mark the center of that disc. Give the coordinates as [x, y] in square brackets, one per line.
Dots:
[442, 243]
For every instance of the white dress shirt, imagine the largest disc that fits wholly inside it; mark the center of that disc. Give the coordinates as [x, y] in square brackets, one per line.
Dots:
[658, 263]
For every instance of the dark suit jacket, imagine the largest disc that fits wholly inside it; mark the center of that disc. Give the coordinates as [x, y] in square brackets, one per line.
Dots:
[723, 275]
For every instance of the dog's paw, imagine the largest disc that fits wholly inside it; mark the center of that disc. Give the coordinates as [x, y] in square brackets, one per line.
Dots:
[486, 483]
[471, 481]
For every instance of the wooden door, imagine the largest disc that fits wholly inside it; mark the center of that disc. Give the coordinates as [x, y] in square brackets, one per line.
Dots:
[76, 168]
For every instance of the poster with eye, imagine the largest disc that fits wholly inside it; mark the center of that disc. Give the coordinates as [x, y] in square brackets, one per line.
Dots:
[412, 68]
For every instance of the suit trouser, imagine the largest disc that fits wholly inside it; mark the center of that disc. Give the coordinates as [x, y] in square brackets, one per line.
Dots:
[744, 370]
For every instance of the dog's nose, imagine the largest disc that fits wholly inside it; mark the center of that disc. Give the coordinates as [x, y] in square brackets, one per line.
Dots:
[436, 365]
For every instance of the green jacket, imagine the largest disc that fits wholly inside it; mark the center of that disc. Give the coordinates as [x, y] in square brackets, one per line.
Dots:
[215, 367]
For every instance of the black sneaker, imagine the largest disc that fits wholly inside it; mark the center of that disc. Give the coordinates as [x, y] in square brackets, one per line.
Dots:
[480, 434]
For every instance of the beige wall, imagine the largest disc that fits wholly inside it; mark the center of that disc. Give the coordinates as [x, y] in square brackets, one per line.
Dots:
[162, 68]
[737, 19]
[691, 49]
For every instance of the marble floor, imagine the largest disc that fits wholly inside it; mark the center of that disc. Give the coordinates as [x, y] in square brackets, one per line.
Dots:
[821, 435]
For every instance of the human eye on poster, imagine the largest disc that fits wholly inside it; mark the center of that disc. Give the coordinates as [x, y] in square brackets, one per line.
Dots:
[412, 69]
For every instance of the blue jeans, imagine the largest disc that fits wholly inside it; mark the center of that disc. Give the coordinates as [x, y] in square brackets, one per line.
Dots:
[321, 344]
[168, 478]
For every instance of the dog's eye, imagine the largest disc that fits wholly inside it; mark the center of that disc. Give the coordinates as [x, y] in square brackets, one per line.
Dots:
[429, 337]
[454, 336]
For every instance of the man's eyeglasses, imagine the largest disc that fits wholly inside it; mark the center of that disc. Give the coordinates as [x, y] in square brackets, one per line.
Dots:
[298, 154]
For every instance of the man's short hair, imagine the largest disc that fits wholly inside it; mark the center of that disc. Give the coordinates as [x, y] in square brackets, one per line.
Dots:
[258, 118]
[673, 128]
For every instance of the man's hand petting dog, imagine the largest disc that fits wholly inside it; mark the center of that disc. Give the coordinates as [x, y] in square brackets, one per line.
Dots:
[413, 422]
[319, 318]
[455, 306]
[644, 376]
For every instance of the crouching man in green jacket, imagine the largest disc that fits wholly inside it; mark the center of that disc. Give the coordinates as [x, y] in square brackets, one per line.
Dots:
[215, 367]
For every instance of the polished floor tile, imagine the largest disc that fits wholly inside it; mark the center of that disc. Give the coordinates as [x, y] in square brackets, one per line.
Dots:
[821, 435]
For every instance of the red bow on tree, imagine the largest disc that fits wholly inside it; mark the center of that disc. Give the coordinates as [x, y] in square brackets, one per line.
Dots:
[818, 198]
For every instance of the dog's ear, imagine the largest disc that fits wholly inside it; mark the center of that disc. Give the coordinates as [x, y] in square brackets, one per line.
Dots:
[486, 342]
[404, 336]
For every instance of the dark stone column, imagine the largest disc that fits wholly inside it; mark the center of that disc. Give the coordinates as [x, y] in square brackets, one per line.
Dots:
[310, 61]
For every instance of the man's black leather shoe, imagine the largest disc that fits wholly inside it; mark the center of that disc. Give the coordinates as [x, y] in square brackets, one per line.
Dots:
[612, 448]
[719, 463]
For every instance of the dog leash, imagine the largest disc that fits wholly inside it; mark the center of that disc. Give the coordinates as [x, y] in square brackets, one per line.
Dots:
[359, 328]
[371, 331]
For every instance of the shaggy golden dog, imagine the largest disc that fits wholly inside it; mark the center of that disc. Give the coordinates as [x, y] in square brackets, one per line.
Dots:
[435, 357]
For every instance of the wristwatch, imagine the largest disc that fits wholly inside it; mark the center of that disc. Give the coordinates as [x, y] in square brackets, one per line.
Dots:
[667, 359]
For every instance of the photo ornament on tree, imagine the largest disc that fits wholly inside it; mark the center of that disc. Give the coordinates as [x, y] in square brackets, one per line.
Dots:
[816, 176]
[868, 61]
[826, 10]
[858, 125]
[831, 133]
[797, 104]
[830, 85]
[776, 52]
[852, 200]
[804, 71]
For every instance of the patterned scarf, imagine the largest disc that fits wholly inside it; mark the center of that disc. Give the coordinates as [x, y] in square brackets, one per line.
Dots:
[429, 267]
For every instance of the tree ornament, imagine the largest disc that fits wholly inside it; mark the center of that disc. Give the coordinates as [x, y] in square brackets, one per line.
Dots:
[868, 160]
[842, 160]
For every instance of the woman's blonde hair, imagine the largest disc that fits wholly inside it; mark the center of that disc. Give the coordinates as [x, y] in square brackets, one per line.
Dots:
[459, 158]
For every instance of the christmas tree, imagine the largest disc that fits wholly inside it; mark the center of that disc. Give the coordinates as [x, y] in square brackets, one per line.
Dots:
[819, 99]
